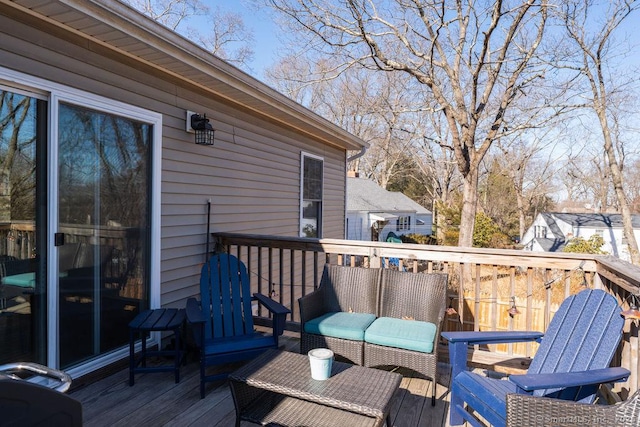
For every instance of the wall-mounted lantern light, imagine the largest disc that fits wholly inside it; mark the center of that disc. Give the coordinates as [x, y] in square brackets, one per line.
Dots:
[200, 126]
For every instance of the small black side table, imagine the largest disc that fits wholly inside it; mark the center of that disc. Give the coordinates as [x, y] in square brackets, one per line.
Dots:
[163, 319]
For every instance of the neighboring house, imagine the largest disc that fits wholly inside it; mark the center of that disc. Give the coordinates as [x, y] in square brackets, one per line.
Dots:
[99, 158]
[373, 212]
[551, 231]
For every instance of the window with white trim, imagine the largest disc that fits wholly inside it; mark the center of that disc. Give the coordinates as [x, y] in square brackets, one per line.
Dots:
[403, 223]
[312, 176]
[540, 231]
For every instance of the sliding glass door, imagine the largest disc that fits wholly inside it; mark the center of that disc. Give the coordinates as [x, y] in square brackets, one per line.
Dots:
[76, 197]
[103, 229]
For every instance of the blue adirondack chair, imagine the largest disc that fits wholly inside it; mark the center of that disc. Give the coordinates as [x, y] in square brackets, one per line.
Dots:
[222, 320]
[571, 362]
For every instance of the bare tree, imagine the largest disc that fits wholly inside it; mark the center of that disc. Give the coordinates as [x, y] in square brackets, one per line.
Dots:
[529, 161]
[17, 162]
[229, 39]
[632, 178]
[590, 28]
[398, 115]
[380, 108]
[437, 162]
[587, 180]
[473, 58]
[170, 13]
[225, 35]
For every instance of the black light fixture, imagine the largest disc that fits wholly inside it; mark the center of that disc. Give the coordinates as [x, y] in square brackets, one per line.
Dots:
[199, 124]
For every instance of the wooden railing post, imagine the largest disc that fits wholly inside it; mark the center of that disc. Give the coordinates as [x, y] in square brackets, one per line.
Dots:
[374, 259]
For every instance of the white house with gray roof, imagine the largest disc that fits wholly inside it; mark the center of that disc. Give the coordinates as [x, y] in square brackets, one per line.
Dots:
[551, 231]
[373, 212]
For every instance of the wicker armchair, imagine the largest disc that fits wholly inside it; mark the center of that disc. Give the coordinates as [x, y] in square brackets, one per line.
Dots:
[342, 289]
[527, 410]
[414, 296]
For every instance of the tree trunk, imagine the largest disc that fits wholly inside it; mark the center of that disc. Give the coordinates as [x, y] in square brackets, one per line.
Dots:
[617, 179]
[521, 215]
[469, 206]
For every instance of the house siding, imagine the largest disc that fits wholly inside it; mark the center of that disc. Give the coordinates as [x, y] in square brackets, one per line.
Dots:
[425, 229]
[251, 174]
[358, 226]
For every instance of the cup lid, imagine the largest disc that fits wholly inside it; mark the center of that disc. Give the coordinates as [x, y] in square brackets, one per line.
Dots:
[321, 353]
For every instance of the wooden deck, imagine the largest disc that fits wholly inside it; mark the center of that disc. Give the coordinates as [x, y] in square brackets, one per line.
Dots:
[155, 399]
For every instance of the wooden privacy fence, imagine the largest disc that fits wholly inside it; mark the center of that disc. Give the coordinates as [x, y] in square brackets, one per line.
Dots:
[495, 316]
[483, 283]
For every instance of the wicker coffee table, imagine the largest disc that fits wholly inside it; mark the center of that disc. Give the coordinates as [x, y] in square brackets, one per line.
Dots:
[276, 388]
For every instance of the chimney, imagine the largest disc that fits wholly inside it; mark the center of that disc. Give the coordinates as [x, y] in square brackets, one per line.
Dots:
[353, 174]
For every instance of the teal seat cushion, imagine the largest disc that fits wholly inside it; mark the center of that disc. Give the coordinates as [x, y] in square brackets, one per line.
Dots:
[349, 326]
[406, 334]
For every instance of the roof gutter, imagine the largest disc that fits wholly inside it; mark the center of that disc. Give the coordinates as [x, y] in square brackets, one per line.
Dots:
[358, 155]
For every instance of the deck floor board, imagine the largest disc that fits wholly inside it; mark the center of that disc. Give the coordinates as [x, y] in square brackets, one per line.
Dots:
[155, 399]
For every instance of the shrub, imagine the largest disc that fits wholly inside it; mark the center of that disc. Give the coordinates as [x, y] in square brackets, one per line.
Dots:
[487, 234]
[421, 239]
[580, 245]
[451, 237]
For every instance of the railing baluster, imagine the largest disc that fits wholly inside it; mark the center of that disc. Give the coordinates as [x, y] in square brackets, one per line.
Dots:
[281, 275]
[260, 278]
[461, 298]
[529, 311]
[303, 273]
[494, 299]
[316, 274]
[512, 293]
[272, 290]
[292, 285]
[476, 303]
[547, 293]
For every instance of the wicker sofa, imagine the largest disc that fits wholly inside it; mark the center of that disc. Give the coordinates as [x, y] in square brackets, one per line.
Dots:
[376, 317]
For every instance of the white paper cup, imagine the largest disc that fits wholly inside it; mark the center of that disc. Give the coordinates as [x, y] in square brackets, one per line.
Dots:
[320, 360]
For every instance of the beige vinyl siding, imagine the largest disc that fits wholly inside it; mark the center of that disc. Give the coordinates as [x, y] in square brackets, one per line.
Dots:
[251, 174]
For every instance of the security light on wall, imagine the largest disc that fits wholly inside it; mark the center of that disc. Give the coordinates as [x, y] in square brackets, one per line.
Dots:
[200, 126]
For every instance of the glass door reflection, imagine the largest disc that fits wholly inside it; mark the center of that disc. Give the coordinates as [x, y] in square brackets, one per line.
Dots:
[23, 289]
[103, 210]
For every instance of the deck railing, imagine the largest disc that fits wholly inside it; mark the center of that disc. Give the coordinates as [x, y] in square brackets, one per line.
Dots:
[484, 284]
